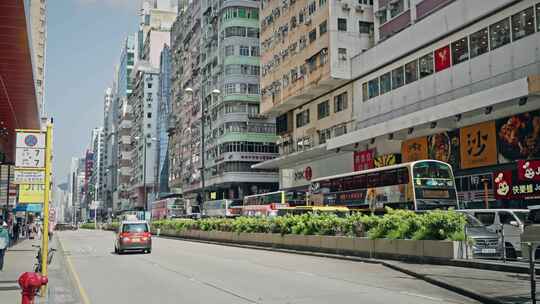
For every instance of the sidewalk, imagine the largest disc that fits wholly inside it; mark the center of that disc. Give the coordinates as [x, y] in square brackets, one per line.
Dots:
[21, 258]
[487, 286]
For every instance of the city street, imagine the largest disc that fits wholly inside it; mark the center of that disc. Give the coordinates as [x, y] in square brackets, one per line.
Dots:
[190, 272]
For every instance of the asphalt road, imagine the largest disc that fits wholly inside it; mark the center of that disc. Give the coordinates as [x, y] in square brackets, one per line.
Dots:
[190, 272]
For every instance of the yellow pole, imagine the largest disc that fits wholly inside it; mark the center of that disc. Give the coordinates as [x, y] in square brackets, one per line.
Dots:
[45, 234]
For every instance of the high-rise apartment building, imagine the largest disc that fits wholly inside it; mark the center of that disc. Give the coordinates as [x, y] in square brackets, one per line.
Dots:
[216, 59]
[164, 109]
[38, 23]
[120, 173]
[109, 147]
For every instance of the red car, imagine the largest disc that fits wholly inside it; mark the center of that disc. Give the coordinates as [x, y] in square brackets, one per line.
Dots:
[133, 236]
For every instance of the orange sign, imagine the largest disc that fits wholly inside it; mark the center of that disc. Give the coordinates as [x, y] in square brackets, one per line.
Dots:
[414, 149]
[478, 145]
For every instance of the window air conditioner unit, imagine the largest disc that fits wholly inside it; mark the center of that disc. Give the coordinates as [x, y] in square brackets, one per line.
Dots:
[359, 8]
[308, 21]
[345, 6]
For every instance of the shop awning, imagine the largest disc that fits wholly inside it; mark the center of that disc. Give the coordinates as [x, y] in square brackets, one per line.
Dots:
[18, 102]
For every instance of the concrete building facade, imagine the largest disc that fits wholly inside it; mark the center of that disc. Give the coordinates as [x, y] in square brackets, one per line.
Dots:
[38, 25]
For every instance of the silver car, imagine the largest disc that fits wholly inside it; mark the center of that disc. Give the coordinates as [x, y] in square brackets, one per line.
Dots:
[486, 244]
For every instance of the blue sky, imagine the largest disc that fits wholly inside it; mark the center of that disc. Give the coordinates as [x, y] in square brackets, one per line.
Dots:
[84, 40]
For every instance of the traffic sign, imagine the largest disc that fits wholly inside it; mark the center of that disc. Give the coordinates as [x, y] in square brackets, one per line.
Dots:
[32, 140]
[29, 177]
[29, 158]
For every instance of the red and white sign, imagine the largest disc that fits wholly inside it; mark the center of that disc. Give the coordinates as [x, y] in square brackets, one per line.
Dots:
[442, 58]
[308, 173]
[529, 170]
[363, 160]
[503, 184]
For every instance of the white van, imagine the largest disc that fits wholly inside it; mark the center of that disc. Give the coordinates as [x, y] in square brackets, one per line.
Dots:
[512, 221]
[531, 233]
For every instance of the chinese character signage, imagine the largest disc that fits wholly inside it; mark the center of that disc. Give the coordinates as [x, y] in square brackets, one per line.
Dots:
[414, 149]
[478, 145]
[442, 58]
[519, 137]
[31, 194]
[528, 170]
[444, 147]
[363, 160]
[506, 187]
[387, 160]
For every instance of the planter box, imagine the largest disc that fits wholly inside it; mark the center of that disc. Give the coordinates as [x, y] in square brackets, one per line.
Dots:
[344, 243]
[385, 247]
[410, 248]
[440, 249]
[295, 240]
[363, 245]
[313, 241]
[328, 242]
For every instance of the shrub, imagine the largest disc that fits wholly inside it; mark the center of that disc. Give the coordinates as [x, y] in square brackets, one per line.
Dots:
[88, 226]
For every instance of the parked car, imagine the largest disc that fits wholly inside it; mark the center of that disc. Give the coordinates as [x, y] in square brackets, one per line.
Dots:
[485, 243]
[511, 221]
[531, 232]
[133, 236]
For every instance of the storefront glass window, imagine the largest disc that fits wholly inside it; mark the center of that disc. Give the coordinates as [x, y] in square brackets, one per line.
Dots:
[397, 78]
[523, 24]
[411, 71]
[385, 83]
[373, 88]
[460, 51]
[479, 42]
[499, 33]
[426, 65]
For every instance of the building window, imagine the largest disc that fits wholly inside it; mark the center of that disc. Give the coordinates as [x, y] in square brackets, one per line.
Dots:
[253, 89]
[340, 102]
[342, 53]
[396, 8]
[230, 88]
[411, 71]
[322, 2]
[149, 115]
[324, 135]
[460, 51]
[499, 33]
[149, 85]
[373, 88]
[323, 109]
[312, 7]
[302, 118]
[364, 91]
[244, 50]
[235, 31]
[255, 51]
[397, 78]
[312, 35]
[479, 42]
[253, 32]
[523, 24]
[340, 130]
[426, 65]
[386, 84]
[365, 27]
[342, 24]
[538, 17]
[323, 28]
[229, 50]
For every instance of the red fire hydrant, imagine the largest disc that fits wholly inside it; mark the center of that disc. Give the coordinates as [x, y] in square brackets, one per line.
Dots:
[30, 283]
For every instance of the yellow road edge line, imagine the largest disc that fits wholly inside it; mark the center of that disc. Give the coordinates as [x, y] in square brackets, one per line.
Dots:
[75, 276]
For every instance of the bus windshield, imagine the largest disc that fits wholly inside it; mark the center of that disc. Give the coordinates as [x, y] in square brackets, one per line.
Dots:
[432, 175]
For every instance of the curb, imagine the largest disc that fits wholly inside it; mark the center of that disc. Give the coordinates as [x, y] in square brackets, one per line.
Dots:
[459, 290]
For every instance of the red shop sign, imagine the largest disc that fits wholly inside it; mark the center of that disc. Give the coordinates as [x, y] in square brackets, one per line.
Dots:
[363, 160]
[503, 184]
[529, 170]
[442, 58]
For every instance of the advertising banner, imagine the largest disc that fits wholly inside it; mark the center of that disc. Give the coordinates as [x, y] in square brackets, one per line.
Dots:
[508, 187]
[519, 137]
[363, 160]
[442, 58]
[414, 149]
[478, 145]
[31, 194]
[445, 147]
[387, 160]
[528, 170]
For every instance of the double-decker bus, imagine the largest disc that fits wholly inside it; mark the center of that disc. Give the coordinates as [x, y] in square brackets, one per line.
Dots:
[419, 185]
[267, 204]
[166, 208]
[222, 208]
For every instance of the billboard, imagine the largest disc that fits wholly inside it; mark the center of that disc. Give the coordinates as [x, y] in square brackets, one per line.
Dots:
[518, 137]
[414, 149]
[478, 145]
[445, 147]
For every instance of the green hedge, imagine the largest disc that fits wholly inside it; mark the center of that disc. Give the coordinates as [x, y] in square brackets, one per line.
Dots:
[395, 224]
[88, 226]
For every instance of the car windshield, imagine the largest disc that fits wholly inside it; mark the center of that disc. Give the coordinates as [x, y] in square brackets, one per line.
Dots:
[522, 216]
[472, 221]
[139, 227]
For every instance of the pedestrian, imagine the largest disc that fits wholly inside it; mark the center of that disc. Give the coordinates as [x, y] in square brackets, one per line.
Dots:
[4, 241]
[16, 232]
